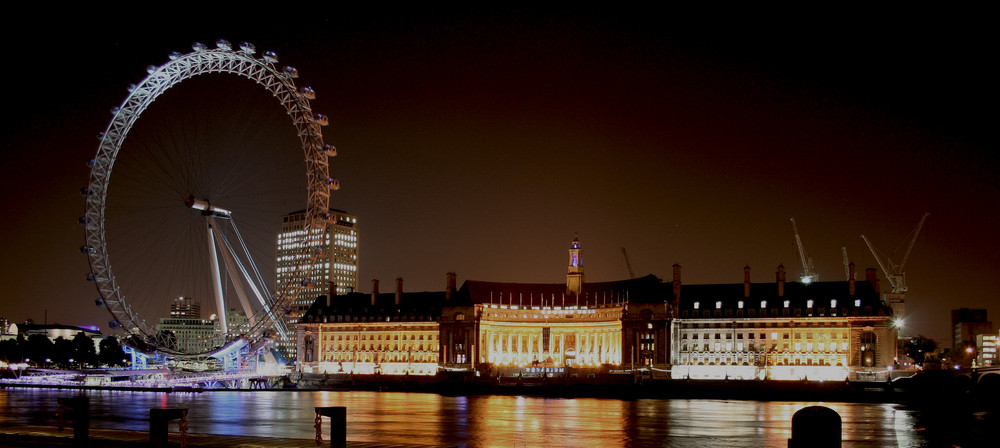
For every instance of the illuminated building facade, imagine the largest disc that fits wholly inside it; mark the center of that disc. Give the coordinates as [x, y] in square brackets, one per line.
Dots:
[986, 350]
[336, 267]
[192, 335]
[966, 323]
[511, 326]
[780, 330]
[392, 334]
[551, 327]
[185, 308]
[784, 330]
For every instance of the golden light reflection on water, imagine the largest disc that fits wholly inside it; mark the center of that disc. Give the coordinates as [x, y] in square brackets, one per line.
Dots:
[487, 421]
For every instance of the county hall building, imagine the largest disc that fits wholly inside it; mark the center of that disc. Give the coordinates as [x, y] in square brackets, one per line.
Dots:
[780, 330]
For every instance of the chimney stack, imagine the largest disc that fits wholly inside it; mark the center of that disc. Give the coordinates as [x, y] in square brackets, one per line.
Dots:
[871, 277]
[450, 289]
[677, 282]
[850, 280]
[399, 289]
[374, 290]
[746, 281]
[330, 294]
[781, 280]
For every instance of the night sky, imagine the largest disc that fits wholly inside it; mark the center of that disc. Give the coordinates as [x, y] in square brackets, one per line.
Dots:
[481, 143]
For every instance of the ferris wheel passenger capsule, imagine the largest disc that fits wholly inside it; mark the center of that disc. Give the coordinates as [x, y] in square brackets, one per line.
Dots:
[90, 276]
[198, 46]
[248, 48]
[131, 88]
[308, 92]
[174, 55]
[291, 72]
[151, 69]
[223, 44]
[85, 191]
[323, 120]
[271, 57]
[331, 150]
[334, 183]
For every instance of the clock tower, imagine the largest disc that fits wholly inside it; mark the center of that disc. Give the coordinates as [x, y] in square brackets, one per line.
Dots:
[574, 275]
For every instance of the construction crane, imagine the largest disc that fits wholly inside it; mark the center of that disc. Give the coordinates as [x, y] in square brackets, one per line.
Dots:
[847, 264]
[809, 274]
[894, 272]
[628, 264]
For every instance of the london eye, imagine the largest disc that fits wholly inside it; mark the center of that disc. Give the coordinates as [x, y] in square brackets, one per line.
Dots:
[187, 202]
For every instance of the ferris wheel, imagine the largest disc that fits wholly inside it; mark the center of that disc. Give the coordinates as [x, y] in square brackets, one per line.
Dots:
[181, 214]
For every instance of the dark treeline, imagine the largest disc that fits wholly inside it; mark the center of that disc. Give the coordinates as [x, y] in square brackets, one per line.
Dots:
[80, 352]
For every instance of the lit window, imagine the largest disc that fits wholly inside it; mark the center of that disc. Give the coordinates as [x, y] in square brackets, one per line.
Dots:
[696, 305]
[833, 303]
[857, 302]
[740, 304]
[718, 304]
[786, 303]
[763, 303]
[809, 303]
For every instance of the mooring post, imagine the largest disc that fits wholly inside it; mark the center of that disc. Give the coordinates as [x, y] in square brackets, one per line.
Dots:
[81, 418]
[815, 427]
[338, 425]
[159, 420]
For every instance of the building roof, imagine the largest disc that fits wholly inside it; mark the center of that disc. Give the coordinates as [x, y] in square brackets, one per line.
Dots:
[91, 330]
[413, 306]
[797, 294]
[642, 289]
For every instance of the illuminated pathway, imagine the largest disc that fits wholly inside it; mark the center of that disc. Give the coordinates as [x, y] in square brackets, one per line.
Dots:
[152, 379]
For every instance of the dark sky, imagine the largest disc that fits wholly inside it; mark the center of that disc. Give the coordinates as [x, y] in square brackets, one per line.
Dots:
[481, 143]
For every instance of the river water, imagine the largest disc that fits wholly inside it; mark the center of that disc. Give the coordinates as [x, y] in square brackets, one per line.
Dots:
[511, 421]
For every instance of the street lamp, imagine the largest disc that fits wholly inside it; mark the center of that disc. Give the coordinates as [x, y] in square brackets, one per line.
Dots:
[898, 323]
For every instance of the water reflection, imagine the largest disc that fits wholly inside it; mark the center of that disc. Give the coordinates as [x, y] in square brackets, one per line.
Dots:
[503, 421]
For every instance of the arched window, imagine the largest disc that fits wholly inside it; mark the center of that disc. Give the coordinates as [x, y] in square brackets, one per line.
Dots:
[869, 345]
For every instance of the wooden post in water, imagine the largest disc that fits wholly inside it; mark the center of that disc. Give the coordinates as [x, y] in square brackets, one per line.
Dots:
[338, 425]
[159, 419]
[815, 427]
[80, 416]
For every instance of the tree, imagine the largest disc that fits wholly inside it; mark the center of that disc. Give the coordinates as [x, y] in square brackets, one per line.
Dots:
[111, 353]
[918, 347]
[84, 350]
[62, 352]
[11, 350]
[39, 349]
